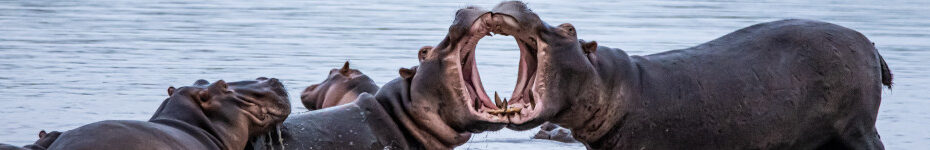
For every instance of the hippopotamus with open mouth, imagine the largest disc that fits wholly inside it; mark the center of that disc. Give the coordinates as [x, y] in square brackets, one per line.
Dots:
[788, 84]
[202, 116]
[436, 105]
[342, 86]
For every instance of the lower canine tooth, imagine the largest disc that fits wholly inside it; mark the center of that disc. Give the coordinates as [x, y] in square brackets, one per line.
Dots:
[497, 100]
[477, 104]
[505, 104]
[532, 101]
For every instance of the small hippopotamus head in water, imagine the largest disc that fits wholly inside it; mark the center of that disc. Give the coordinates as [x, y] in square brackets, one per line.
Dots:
[542, 89]
[341, 86]
[251, 106]
[446, 85]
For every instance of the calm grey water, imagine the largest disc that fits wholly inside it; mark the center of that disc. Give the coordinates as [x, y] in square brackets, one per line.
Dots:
[68, 63]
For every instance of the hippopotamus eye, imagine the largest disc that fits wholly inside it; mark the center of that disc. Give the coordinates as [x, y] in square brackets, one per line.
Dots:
[568, 28]
[423, 51]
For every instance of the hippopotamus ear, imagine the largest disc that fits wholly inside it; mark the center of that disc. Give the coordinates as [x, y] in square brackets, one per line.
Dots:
[588, 47]
[42, 134]
[345, 69]
[170, 90]
[423, 51]
[407, 73]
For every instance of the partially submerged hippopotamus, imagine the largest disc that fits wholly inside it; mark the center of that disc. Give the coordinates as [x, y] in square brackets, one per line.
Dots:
[45, 139]
[788, 84]
[549, 131]
[342, 86]
[202, 116]
[436, 105]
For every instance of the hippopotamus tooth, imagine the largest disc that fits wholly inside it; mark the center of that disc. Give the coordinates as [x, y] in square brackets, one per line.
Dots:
[497, 100]
[532, 101]
[513, 110]
[505, 104]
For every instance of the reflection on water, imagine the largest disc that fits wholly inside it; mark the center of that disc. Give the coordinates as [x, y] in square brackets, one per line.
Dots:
[69, 63]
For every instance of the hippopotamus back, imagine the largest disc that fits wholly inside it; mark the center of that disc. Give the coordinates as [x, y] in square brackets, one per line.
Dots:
[362, 124]
[202, 116]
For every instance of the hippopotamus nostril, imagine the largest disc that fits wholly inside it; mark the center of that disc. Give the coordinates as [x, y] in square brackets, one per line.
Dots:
[277, 86]
[201, 82]
[261, 78]
[274, 82]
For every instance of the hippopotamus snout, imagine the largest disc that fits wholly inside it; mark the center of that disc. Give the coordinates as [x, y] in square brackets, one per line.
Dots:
[270, 81]
[274, 84]
[513, 17]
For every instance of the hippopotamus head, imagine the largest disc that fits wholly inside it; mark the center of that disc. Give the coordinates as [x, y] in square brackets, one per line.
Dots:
[341, 86]
[252, 106]
[541, 91]
[446, 84]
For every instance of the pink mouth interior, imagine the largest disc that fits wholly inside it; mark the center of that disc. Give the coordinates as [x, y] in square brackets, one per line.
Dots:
[471, 78]
[473, 82]
[527, 75]
[523, 95]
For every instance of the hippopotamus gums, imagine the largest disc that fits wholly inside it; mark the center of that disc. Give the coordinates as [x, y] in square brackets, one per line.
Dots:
[788, 84]
[45, 139]
[436, 105]
[202, 116]
[342, 86]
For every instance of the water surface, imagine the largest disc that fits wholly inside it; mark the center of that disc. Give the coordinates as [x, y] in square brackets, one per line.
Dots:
[68, 63]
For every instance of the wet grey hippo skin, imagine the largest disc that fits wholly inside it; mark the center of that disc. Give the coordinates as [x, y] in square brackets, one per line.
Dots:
[342, 86]
[45, 139]
[9, 147]
[788, 84]
[201, 116]
[435, 105]
[366, 123]
[549, 131]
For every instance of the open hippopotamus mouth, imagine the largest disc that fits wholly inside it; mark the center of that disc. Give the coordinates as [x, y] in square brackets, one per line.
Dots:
[480, 102]
[523, 106]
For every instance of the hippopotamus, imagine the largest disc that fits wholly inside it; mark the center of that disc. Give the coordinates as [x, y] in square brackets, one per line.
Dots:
[435, 105]
[342, 86]
[202, 116]
[45, 139]
[786, 84]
